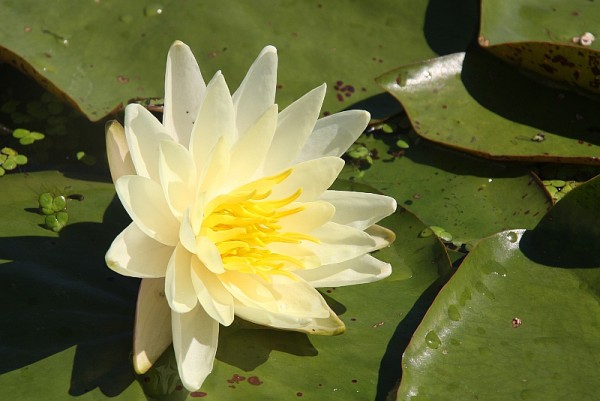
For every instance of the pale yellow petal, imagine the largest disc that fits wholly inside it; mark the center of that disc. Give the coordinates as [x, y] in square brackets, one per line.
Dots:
[359, 209]
[382, 236]
[334, 134]
[312, 216]
[184, 89]
[144, 201]
[195, 338]
[209, 255]
[339, 243]
[313, 177]
[283, 294]
[327, 326]
[179, 290]
[177, 173]
[152, 332]
[144, 132]
[294, 126]
[249, 152]
[135, 254]
[211, 293]
[257, 90]
[360, 270]
[117, 152]
[215, 120]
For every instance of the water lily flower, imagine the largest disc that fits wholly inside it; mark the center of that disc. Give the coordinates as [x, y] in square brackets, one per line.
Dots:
[232, 215]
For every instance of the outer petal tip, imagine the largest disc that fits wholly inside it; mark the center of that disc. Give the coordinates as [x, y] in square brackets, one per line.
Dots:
[268, 49]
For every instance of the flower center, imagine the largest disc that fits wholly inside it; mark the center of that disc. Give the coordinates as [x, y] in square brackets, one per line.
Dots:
[243, 223]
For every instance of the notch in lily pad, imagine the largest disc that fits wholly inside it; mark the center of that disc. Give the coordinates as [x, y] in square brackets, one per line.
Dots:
[27, 137]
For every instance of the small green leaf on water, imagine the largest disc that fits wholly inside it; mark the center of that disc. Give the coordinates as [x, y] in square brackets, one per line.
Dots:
[62, 218]
[20, 159]
[387, 128]
[558, 183]
[2, 171]
[427, 232]
[20, 133]
[59, 203]
[45, 200]
[355, 152]
[9, 164]
[402, 144]
[9, 151]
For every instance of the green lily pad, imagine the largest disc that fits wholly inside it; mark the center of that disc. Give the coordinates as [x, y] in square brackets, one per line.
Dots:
[476, 103]
[522, 310]
[547, 37]
[471, 198]
[99, 55]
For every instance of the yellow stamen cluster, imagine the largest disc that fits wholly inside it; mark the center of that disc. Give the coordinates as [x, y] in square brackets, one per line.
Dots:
[243, 223]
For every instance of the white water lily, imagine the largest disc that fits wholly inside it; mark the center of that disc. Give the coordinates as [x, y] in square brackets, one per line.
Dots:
[232, 215]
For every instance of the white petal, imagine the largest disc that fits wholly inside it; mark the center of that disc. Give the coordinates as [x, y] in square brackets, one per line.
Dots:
[313, 215]
[134, 254]
[250, 151]
[117, 152]
[364, 269]
[145, 202]
[294, 126]
[211, 293]
[257, 90]
[282, 295]
[209, 255]
[179, 290]
[334, 134]
[177, 176]
[214, 174]
[187, 237]
[184, 88]
[152, 333]
[330, 325]
[359, 209]
[381, 235]
[195, 337]
[313, 176]
[340, 243]
[215, 120]
[144, 132]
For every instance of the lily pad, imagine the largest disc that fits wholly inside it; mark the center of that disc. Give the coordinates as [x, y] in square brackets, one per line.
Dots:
[474, 102]
[547, 37]
[522, 312]
[470, 198]
[99, 55]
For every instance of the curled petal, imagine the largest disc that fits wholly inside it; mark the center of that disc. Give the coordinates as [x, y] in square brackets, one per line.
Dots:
[117, 152]
[364, 269]
[184, 89]
[334, 134]
[152, 333]
[195, 337]
[134, 254]
[382, 236]
[359, 209]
